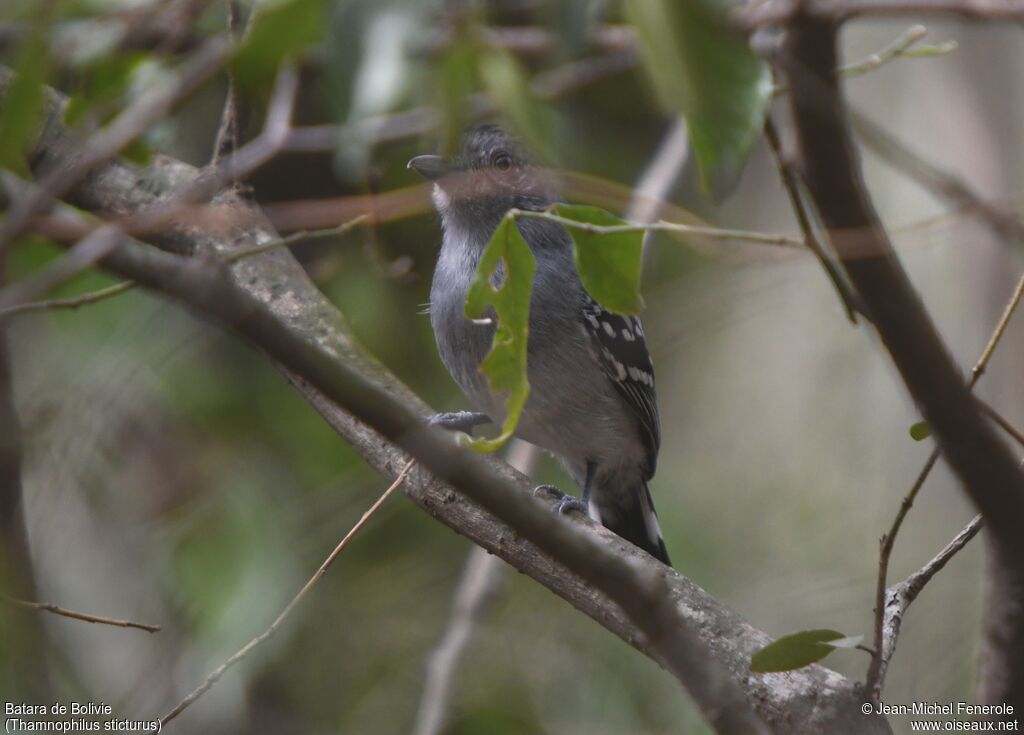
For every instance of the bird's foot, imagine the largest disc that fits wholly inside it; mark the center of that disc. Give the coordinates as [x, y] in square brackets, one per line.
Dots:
[569, 504]
[563, 503]
[463, 421]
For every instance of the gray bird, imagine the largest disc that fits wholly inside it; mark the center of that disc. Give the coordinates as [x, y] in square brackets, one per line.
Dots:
[592, 401]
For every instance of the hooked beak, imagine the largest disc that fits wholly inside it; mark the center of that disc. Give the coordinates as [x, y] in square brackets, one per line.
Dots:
[429, 167]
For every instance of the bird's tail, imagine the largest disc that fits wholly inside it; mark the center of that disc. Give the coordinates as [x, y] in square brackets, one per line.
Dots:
[633, 518]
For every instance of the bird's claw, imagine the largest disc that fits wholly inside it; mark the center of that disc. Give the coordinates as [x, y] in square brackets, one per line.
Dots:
[545, 492]
[569, 503]
[463, 421]
[563, 503]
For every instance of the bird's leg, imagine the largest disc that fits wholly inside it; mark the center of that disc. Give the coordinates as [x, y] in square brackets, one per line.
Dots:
[582, 504]
[463, 421]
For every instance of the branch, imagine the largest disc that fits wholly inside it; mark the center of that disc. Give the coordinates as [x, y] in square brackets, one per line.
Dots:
[899, 597]
[656, 610]
[74, 614]
[985, 467]
[791, 182]
[710, 233]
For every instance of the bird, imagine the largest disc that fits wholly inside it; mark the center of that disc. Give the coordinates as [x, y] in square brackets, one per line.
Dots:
[592, 402]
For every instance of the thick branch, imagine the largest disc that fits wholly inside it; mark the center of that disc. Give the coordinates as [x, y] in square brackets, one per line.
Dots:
[971, 446]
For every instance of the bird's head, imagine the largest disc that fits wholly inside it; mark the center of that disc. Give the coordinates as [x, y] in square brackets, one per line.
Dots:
[491, 174]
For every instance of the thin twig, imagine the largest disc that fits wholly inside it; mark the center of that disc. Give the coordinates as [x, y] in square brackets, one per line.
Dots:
[899, 597]
[72, 302]
[226, 140]
[92, 297]
[269, 632]
[905, 46]
[1001, 421]
[711, 233]
[791, 182]
[66, 613]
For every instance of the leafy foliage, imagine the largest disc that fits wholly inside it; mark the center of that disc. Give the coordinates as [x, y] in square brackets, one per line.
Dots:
[800, 649]
[705, 72]
[508, 261]
[609, 263]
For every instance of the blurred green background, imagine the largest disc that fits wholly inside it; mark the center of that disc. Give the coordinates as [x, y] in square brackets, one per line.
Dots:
[172, 476]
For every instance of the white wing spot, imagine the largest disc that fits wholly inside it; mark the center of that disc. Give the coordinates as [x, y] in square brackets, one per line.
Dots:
[609, 329]
[628, 335]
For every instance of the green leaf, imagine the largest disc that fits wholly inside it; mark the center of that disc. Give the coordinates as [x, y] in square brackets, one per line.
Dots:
[702, 69]
[794, 651]
[920, 431]
[609, 263]
[507, 262]
[22, 105]
[280, 29]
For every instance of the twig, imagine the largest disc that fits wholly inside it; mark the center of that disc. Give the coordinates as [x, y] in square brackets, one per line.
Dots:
[226, 140]
[75, 302]
[65, 612]
[791, 183]
[269, 632]
[477, 588]
[1001, 421]
[711, 233]
[899, 597]
[902, 47]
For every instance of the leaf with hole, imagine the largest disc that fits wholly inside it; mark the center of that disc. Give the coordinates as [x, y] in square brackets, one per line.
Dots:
[501, 291]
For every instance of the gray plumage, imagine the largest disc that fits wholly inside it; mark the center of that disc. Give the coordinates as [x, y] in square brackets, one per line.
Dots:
[592, 400]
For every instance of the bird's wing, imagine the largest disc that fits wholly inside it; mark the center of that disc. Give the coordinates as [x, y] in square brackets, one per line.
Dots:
[622, 352]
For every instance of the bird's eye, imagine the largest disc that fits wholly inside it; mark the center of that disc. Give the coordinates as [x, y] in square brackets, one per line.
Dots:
[502, 162]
